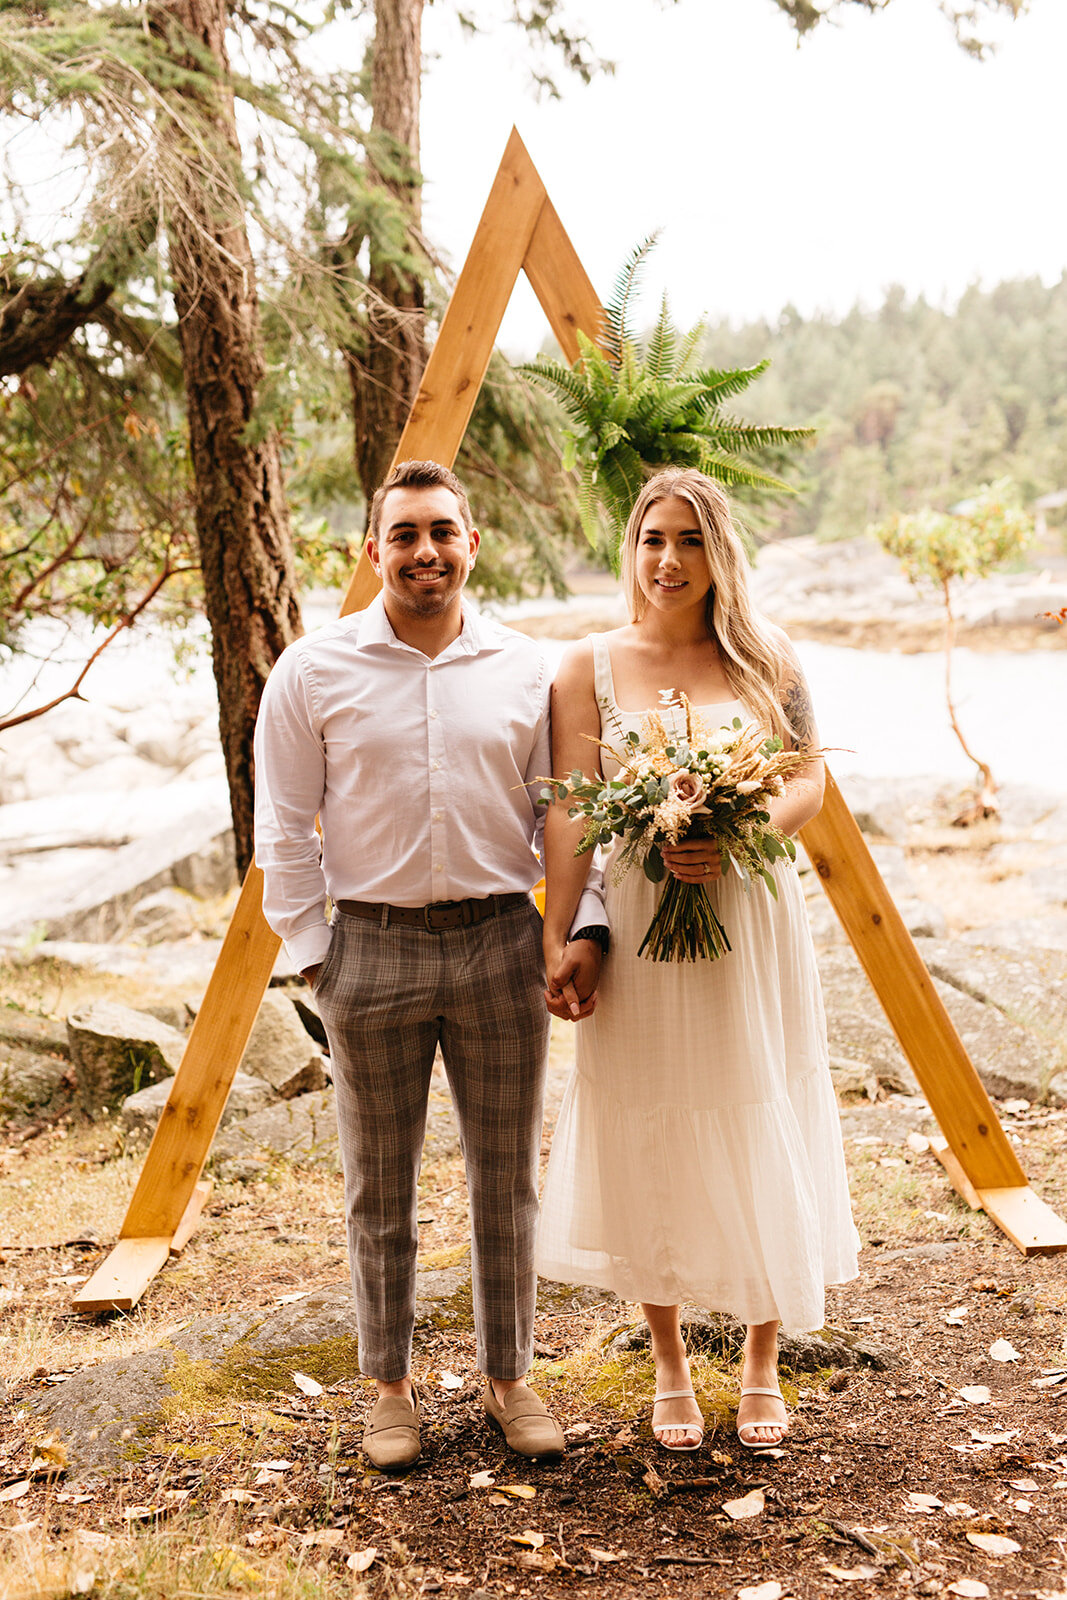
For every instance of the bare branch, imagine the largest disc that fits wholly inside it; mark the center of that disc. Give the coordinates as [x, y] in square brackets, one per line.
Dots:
[74, 692]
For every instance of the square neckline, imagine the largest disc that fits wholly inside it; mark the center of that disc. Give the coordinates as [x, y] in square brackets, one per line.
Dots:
[602, 668]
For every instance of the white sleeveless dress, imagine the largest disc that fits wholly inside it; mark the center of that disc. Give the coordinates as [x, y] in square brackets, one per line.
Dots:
[698, 1157]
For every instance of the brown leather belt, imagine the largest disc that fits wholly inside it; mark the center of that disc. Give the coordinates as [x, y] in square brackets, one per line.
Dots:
[438, 917]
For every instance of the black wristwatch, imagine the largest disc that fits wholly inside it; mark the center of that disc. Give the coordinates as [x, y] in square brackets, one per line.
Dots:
[599, 935]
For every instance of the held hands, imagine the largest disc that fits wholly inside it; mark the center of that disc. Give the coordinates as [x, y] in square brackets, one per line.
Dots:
[693, 860]
[573, 973]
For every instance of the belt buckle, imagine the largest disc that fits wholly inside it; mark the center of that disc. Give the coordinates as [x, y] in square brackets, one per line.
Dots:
[435, 916]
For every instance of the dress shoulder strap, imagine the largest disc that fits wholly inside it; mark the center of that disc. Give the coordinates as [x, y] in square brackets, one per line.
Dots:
[603, 682]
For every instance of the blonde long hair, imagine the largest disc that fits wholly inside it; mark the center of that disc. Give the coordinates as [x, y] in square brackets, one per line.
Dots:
[753, 662]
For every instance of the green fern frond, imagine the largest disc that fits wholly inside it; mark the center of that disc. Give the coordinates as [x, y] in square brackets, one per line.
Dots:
[660, 409]
[724, 384]
[661, 352]
[616, 327]
[747, 436]
[563, 383]
[589, 507]
[731, 469]
[687, 348]
[637, 409]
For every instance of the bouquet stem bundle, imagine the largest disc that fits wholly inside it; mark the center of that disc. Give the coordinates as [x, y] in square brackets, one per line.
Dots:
[685, 926]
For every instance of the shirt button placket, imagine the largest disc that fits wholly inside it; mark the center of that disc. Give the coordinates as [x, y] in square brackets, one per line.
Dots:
[435, 746]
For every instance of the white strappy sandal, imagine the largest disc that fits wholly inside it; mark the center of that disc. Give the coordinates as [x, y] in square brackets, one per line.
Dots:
[678, 1427]
[760, 1444]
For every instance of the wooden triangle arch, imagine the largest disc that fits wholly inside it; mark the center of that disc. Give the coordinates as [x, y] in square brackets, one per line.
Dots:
[520, 229]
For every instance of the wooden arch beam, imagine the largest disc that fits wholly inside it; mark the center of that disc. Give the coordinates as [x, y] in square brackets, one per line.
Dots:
[520, 230]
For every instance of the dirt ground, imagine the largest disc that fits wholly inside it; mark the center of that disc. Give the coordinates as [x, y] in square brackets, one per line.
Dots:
[893, 1480]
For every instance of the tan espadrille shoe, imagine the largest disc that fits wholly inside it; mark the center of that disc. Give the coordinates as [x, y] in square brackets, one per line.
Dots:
[522, 1419]
[391, 1437]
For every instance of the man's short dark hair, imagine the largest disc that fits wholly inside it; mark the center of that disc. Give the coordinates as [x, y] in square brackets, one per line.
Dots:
[418, 475]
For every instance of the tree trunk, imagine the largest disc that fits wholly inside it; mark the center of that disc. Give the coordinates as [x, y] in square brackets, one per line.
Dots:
[385, 366]
[242, 519]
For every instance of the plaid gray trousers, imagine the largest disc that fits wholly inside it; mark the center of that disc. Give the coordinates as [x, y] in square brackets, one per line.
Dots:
[387, 997]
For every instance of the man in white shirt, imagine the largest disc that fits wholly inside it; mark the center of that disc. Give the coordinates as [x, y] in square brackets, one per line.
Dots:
[414, 731]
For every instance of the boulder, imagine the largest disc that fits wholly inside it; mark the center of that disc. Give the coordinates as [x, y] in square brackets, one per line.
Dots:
[722, 1336]
[180, 839]
[117, 1051]
[1022, 933]
[1011, 1058]
[34, 1033]
[1028, 986]
[105, 1413]
[877, 810]
[140, 1112]
[30, 1078]
[166, 915]
[280, 1050]
[302, 1130]
[34, 1060]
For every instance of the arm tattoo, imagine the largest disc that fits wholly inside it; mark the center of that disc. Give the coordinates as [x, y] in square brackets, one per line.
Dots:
[796, 704]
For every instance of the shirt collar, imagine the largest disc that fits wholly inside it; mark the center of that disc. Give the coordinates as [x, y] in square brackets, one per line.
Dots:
[479, 635]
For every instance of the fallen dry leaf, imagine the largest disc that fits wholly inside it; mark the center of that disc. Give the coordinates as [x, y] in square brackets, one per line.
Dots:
[141, 1513]
[852, 1574]
[959, 1508]
[482, 1480]
[1005, 1436]
[1027, 1485]
[924, 1502]
[95, 1540]
[15, 1491]
[273, 1466]
[1004, 1350]
[976, 1394]
[517, 1491]
[529, 1536]
[654, 1483]
[306, 1385]
[954, 1318]
[578, 1430]
[771, 1590]
[994, 1544]
[1022, 1505]
[450, 1380]
[536, 1560]
[74, 1499]
[1051, 1380]
[605, 1555]
[361, 1560]
[266, 1478]
[969, 1589]
[750, 1505]
[240, 1497]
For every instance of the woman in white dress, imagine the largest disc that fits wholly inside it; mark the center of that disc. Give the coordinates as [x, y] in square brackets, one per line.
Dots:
[698, 1153]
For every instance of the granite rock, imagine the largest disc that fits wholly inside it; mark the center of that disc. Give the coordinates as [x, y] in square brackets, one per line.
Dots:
[116, 1051]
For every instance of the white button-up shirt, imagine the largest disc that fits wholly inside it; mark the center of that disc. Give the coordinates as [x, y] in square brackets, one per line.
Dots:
[421, 770]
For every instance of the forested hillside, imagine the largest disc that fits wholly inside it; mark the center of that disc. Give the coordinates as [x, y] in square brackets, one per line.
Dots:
[913, 405]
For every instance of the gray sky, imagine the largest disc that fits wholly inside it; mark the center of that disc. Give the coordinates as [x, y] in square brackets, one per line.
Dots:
[874, 153]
